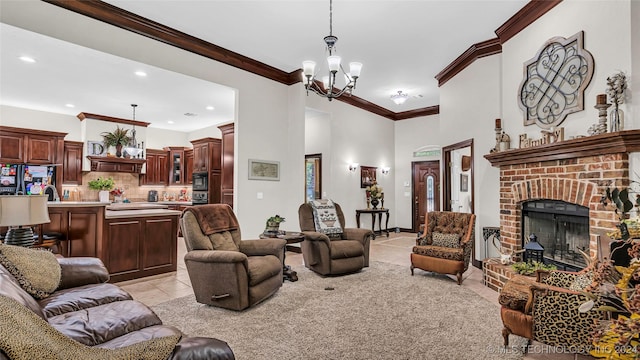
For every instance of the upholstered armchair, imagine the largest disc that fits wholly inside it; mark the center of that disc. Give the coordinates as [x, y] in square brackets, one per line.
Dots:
[446, 244]
[345, 250]
[224, 270]
[545, 309]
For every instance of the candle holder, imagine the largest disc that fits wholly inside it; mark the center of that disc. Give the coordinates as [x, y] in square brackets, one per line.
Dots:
[601, 127]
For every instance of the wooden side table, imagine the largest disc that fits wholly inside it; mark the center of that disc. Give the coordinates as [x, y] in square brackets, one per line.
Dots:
[291, 237]
[373, 213]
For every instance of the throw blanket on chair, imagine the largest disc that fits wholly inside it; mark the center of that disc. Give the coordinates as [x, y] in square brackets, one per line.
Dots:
[26, 336]
[326, 218]
[214, 218]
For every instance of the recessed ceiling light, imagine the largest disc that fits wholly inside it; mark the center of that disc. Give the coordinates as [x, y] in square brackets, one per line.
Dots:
[141, 73]
[170, 122]
[210, 108]
[27, 59]
[69, 105]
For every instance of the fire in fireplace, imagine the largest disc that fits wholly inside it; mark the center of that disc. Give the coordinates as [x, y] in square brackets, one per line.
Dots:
[561, 227]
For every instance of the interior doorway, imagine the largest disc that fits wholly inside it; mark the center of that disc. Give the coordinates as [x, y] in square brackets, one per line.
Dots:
[313, 176]
[426, 190]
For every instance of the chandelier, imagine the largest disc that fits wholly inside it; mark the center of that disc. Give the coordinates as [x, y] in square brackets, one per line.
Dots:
[326, 88]
[133, 149]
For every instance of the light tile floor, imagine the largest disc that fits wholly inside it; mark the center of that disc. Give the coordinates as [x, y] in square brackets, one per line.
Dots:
[395, 250]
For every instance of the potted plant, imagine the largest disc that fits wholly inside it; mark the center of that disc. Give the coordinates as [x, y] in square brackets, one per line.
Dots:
[103, 185]
[118, 138]
[273, 224]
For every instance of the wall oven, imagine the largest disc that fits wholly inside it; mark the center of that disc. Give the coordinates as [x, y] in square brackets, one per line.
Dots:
[200, 181]
[199, 198]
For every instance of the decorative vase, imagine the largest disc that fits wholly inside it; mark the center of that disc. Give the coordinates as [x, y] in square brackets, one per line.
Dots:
[119, 150]
[103, 195]
[374, 203]
[616, 119]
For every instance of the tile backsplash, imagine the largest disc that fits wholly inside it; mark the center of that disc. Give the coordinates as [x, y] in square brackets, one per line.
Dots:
[129, 183]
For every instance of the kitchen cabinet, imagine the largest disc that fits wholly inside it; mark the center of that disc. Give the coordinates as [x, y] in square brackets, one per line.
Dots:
[157, 168]
[140, 246]
[227, 164]
[72, 163]
[81, 229]
[30, 146]
[188, 166]
[207, 157]
[176, 165]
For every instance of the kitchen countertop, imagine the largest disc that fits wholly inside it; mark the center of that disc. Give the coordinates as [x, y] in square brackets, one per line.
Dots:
[111, 214]
[76, 203]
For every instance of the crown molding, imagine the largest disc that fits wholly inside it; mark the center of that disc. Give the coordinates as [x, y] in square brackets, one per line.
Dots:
[474, 52]
[531, 12]
[121, 18]
[525, 17]
[140, 25]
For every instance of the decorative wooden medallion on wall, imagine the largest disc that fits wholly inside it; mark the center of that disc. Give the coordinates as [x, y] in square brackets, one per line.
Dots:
[554, 81]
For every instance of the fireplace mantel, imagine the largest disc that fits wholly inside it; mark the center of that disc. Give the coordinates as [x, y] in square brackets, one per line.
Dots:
[603, 144]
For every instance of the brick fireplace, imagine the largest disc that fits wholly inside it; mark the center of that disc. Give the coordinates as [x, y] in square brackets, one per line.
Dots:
[574, 171]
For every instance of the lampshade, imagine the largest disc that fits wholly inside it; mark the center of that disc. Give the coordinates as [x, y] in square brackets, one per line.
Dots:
[17, 210]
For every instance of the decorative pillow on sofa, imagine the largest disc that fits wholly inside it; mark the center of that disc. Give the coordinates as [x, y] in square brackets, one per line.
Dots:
[326, 218]
[581, 281]
[37, 271]
[445, 240]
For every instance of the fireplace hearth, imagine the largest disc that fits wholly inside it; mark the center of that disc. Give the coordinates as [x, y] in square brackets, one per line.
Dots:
[562, 229]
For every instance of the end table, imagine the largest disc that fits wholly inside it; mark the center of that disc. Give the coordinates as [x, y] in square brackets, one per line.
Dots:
[291, 237]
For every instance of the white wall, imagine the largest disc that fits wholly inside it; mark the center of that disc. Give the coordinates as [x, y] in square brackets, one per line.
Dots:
[411, 135]
[41, 120]
[361, 137]
[469, 105]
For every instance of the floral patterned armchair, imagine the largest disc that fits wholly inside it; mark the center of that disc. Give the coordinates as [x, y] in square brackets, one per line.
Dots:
[446, 244]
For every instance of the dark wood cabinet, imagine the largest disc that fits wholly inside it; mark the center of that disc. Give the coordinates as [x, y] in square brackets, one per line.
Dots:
[177, 168]
[81, 229]
[72, 163]
[140, 246]
[188, 166]
[12, 146]
[207, 157]
[35, 147]
[226, 182]
[157, 168]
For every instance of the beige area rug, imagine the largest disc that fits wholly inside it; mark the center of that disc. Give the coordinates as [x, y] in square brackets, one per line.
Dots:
[404, 242]
[381, 312]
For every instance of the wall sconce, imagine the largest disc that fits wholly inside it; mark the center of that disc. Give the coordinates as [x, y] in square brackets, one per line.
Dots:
[385, 170]
[353, 167]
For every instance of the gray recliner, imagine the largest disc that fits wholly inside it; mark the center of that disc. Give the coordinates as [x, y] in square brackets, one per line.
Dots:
[224, 270]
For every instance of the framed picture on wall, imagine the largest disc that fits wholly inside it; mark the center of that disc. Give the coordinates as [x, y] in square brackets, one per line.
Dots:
[367, 176]
[464, 182]
[264, 170]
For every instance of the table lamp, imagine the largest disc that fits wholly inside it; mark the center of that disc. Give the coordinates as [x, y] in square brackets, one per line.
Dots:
[19, 213]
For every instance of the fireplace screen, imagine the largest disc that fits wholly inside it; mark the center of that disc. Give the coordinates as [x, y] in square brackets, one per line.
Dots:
[562, 228]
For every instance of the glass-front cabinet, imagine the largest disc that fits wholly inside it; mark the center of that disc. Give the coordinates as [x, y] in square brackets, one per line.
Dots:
[176, 165]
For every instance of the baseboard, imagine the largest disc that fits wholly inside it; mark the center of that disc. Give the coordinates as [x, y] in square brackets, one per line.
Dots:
[294, 248]
[477, 263]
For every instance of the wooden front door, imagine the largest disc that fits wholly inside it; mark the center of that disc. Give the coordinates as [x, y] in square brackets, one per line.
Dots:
[426, 190]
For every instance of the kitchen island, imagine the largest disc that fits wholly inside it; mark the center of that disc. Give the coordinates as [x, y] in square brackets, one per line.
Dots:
[133, 240]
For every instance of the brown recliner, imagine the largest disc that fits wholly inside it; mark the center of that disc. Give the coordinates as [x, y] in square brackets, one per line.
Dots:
[337, 255]
[224, 270]
[445, 247]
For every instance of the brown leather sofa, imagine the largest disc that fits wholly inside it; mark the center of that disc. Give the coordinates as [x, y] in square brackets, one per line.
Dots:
[333, 256]
[93, 312]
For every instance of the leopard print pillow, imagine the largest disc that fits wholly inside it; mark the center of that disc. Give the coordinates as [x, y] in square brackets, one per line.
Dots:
[445, 240]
